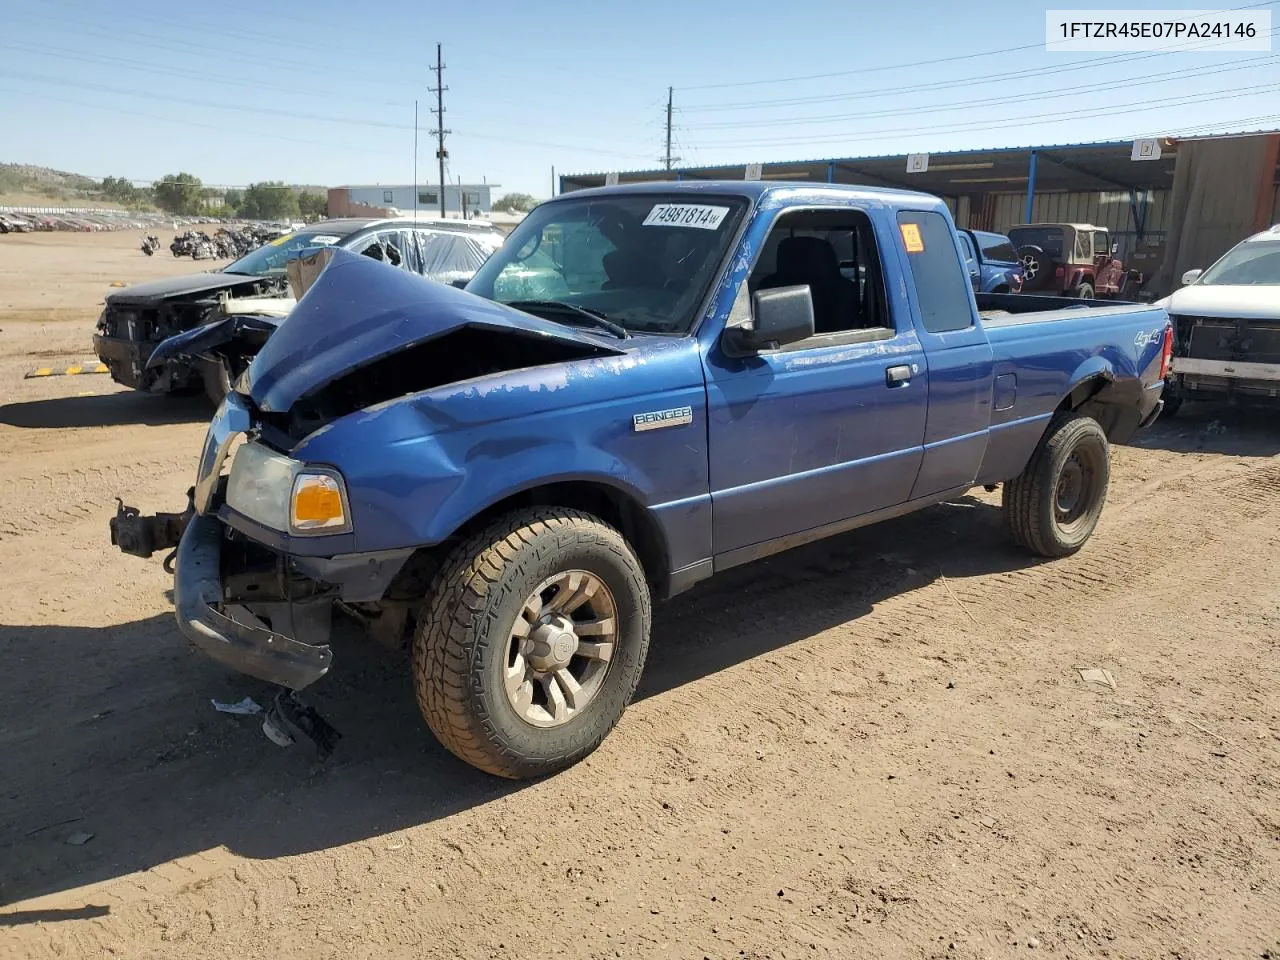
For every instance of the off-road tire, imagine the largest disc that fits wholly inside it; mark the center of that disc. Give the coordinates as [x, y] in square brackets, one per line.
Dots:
[460, 646]
[1030, 499]
[1083, 292]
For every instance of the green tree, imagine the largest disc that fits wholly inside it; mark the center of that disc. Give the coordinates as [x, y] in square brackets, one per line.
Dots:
[179, 193]
[123, 192]
[514, 203]
[234, 199]
[269, 200]
[312, 206]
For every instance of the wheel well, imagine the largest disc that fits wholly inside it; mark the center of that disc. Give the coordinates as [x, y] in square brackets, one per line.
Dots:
[1105, 401]
[610, 504]
[1002, 288]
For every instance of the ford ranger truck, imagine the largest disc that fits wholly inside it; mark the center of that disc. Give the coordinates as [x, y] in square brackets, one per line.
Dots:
[711, 373]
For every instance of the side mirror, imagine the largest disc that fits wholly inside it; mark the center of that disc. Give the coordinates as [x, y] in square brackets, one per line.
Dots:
[1115, 247]
[460, 283]
[780, 316]
[1191, 276]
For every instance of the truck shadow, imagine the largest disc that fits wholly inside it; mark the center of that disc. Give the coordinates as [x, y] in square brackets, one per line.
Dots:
[106, 410]
[1216, 428]
[110, 731]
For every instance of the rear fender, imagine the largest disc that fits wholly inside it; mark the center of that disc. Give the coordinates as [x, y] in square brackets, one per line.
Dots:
[1115, 403]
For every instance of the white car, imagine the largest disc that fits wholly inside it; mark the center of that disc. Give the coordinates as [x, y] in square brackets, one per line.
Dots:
[1226, 323]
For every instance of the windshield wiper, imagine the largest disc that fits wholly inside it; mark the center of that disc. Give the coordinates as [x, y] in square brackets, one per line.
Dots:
[596, 318]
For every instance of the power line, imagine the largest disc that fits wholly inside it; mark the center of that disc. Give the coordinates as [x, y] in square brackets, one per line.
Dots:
[1156, 78]
[860, 70]
[978, 80]
[1089, 112]
[911, 65]
[143, 67]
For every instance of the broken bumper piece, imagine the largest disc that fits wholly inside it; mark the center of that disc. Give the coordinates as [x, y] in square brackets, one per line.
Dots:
[243, 644]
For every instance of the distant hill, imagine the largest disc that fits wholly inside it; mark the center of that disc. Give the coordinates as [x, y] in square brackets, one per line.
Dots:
[25, 180]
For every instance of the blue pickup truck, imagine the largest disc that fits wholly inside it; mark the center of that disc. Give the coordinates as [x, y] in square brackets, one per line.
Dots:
[992, 262]
[727, 370]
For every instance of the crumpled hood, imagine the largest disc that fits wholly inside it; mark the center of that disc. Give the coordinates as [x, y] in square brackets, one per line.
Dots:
[1245, 302]
[198, 340]
[360, 310]
[193, 283]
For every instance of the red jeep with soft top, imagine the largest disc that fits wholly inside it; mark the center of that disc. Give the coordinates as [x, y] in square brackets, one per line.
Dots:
[1072, 260]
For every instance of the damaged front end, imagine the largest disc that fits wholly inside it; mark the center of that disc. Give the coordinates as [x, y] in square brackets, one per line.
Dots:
[278, 533]
[137, 320]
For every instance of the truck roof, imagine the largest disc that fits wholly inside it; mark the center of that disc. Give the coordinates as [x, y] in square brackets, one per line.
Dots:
[755, 189]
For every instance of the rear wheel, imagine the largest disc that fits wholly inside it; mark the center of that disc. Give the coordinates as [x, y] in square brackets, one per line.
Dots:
[1083, 292]
[1053, 506]
[532, 641]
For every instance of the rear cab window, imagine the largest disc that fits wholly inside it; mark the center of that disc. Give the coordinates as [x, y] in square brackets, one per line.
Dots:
[996, 247]
[942, 288]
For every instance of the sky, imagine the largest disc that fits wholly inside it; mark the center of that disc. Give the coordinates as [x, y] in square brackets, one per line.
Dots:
[323, 92]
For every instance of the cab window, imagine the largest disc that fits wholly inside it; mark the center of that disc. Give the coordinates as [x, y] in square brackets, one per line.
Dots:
[834, 253]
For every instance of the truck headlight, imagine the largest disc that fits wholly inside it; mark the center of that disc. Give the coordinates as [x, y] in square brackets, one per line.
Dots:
[318, 504]
[285, 494]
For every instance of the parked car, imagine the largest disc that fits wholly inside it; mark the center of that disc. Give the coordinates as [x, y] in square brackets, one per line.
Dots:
[1074, 260]
[991, 261]
[1226, 322]
[504, 487]
[139, 318]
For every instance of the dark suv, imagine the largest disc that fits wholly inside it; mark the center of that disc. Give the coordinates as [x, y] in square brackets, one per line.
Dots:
[138, 318]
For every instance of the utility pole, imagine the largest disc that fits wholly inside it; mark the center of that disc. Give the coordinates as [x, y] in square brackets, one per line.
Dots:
[440, 131]
[415, 160]
[668, 128]
[553, 180]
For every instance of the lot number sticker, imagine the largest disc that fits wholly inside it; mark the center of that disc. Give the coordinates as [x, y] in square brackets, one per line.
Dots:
[911, 238]
[685, 215]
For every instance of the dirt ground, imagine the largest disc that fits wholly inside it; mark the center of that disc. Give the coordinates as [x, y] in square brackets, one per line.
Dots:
[879, 746]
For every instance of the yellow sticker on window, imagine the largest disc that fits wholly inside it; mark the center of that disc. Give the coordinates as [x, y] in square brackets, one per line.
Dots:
[279, 240]
[911, 237]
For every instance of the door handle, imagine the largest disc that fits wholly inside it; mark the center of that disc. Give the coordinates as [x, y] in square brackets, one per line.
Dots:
[897, 376]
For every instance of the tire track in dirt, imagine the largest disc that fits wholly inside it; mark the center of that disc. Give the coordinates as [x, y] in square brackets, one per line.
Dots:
[36, 502]
[767, 712]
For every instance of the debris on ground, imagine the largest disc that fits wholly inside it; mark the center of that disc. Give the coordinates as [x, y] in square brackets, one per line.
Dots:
[1097, 675]
[79, 839]
[247, 707]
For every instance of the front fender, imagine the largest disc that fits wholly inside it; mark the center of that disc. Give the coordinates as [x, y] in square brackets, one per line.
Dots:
[417, 471]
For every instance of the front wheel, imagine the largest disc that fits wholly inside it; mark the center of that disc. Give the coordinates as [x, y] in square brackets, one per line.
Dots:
[532, 641]
[1083, 292]
[1053, 506]
[216, 379]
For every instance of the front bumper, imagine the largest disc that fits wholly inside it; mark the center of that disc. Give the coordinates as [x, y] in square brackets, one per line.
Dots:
[126, 359]
[203, 618]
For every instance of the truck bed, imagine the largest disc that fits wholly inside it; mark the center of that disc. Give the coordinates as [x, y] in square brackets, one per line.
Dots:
[1015, 307]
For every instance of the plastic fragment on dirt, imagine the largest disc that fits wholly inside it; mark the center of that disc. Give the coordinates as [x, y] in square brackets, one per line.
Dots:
[1097, 675]
[247, 707]
[79, 839]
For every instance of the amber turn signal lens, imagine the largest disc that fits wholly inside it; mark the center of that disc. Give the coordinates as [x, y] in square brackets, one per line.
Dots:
[317, 503]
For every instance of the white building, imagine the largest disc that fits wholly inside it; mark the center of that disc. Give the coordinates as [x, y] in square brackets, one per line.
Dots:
[402, 197]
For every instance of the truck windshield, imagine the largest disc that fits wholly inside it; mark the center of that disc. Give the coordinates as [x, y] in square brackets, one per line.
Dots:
[643, 261]
[1048, 239]
[1255, 263]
